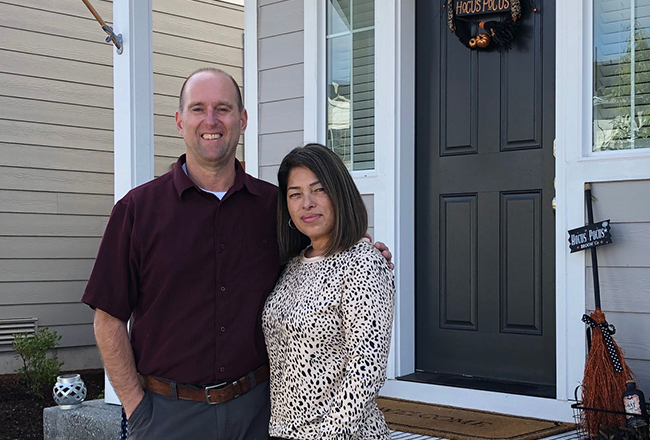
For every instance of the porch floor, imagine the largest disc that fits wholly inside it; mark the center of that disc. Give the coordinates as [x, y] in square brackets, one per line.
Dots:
[398, 435]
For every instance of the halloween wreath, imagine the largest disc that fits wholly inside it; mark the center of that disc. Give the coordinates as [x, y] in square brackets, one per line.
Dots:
[497, 33]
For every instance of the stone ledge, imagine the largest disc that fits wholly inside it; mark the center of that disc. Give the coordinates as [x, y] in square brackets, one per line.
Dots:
[91, 420]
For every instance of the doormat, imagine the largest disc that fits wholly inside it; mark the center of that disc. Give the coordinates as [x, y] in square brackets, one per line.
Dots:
[464, 424]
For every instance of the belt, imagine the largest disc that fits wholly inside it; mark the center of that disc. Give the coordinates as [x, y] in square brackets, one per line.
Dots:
[213, 394]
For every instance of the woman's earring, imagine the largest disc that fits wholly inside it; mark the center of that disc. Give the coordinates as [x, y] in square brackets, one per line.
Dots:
[291, 225]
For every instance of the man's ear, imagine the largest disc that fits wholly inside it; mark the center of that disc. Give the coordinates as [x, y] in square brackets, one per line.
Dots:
[244, 119]
[179, 123]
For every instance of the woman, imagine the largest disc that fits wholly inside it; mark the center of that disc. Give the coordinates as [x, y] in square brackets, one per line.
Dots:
[328, 321]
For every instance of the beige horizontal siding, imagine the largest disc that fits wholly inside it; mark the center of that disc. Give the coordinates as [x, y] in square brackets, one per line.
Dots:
[281, 50]
[56, 142]
[48, 247]
[282, 83]
[52, 225]
[54, 202]
[41, 292]
[43, 270]
[47, 134]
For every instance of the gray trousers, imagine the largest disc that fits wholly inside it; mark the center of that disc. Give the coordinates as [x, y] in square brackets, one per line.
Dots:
[243, 418]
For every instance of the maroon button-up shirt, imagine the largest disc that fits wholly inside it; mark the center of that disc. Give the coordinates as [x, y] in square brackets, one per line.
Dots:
[193, 272]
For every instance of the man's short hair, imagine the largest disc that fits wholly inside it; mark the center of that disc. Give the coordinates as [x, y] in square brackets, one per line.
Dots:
[181, 98]
[350, 215]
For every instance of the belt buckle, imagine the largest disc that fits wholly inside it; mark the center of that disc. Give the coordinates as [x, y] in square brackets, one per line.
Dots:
[213, 387]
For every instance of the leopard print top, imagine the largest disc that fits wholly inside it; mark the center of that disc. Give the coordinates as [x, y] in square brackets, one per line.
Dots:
[327, 326]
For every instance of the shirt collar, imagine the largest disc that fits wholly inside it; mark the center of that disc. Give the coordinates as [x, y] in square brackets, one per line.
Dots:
[182, 181]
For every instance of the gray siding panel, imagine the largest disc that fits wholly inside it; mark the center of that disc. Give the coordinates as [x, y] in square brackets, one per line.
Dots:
[12, 131]
[274, 146]
[281, 18]
[282, 50]
[624, 269]
[54, 203]
[282, 83]
[281, 116]
[621, 289]
[623, 202]
[629, 247]
[270, 173]
[641, 369]
[51, 314]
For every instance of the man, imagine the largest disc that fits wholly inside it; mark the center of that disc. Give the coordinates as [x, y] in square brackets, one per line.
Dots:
[191, 257]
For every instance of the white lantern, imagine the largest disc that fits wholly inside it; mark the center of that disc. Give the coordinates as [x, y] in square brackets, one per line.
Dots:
[69, 391]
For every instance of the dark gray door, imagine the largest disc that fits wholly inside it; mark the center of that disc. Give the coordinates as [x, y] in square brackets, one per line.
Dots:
[485, 253]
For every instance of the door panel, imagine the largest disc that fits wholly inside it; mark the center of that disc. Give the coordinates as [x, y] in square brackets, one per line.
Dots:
[485, 273]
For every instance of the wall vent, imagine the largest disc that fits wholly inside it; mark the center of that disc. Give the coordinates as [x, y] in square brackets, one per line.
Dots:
[15, 325]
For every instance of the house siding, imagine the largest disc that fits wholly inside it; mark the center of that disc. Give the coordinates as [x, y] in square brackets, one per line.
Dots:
[624, 270]
[281, 87]
[280, 82]
[56, 145]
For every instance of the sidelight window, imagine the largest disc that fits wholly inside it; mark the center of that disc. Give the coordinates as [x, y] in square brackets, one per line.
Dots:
[621, 95]
[350, 122]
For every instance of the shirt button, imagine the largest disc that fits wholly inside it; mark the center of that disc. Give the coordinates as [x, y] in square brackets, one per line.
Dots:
[223, 246]
[222, 369]
[223, 329]
[265, 241]
[223, 288]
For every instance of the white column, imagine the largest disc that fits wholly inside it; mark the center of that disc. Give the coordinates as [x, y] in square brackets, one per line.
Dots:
[251, 91]
[132, 103]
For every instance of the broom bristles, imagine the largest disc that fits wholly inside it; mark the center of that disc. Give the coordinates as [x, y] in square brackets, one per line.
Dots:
[602, 386]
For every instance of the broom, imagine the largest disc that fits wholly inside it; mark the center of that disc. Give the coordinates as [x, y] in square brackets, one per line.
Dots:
[605, 371]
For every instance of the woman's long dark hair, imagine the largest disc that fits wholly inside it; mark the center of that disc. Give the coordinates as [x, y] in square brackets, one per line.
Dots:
[350, 215]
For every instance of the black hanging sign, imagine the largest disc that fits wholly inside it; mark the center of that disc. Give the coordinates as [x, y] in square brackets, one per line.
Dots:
[593, 235]
[478, 7]
[495, 33]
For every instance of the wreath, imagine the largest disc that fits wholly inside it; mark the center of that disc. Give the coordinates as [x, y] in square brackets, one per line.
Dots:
[497, 33]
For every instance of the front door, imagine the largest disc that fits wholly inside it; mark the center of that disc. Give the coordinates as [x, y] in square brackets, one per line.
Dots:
[485, 253]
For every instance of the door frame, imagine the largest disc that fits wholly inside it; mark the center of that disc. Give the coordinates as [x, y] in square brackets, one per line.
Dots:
[398, 39]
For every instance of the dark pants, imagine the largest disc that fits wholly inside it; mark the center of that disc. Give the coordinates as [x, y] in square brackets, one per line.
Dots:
[243, 418]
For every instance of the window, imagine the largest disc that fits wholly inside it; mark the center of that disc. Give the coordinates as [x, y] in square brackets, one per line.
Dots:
[621, 96]
[351, 81]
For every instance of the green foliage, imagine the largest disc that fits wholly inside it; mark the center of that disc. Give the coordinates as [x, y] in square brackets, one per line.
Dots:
[38, 371]
[616, 84]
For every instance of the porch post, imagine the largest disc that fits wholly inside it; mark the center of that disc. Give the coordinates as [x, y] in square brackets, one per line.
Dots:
[132, 104]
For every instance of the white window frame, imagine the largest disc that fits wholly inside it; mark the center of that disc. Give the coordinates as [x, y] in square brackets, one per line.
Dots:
[390, 182]
[588, 149]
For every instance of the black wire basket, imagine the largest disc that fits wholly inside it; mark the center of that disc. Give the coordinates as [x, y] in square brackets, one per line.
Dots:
[606, 433]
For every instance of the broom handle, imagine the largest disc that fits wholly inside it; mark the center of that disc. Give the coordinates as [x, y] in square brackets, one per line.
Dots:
[594, 258]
